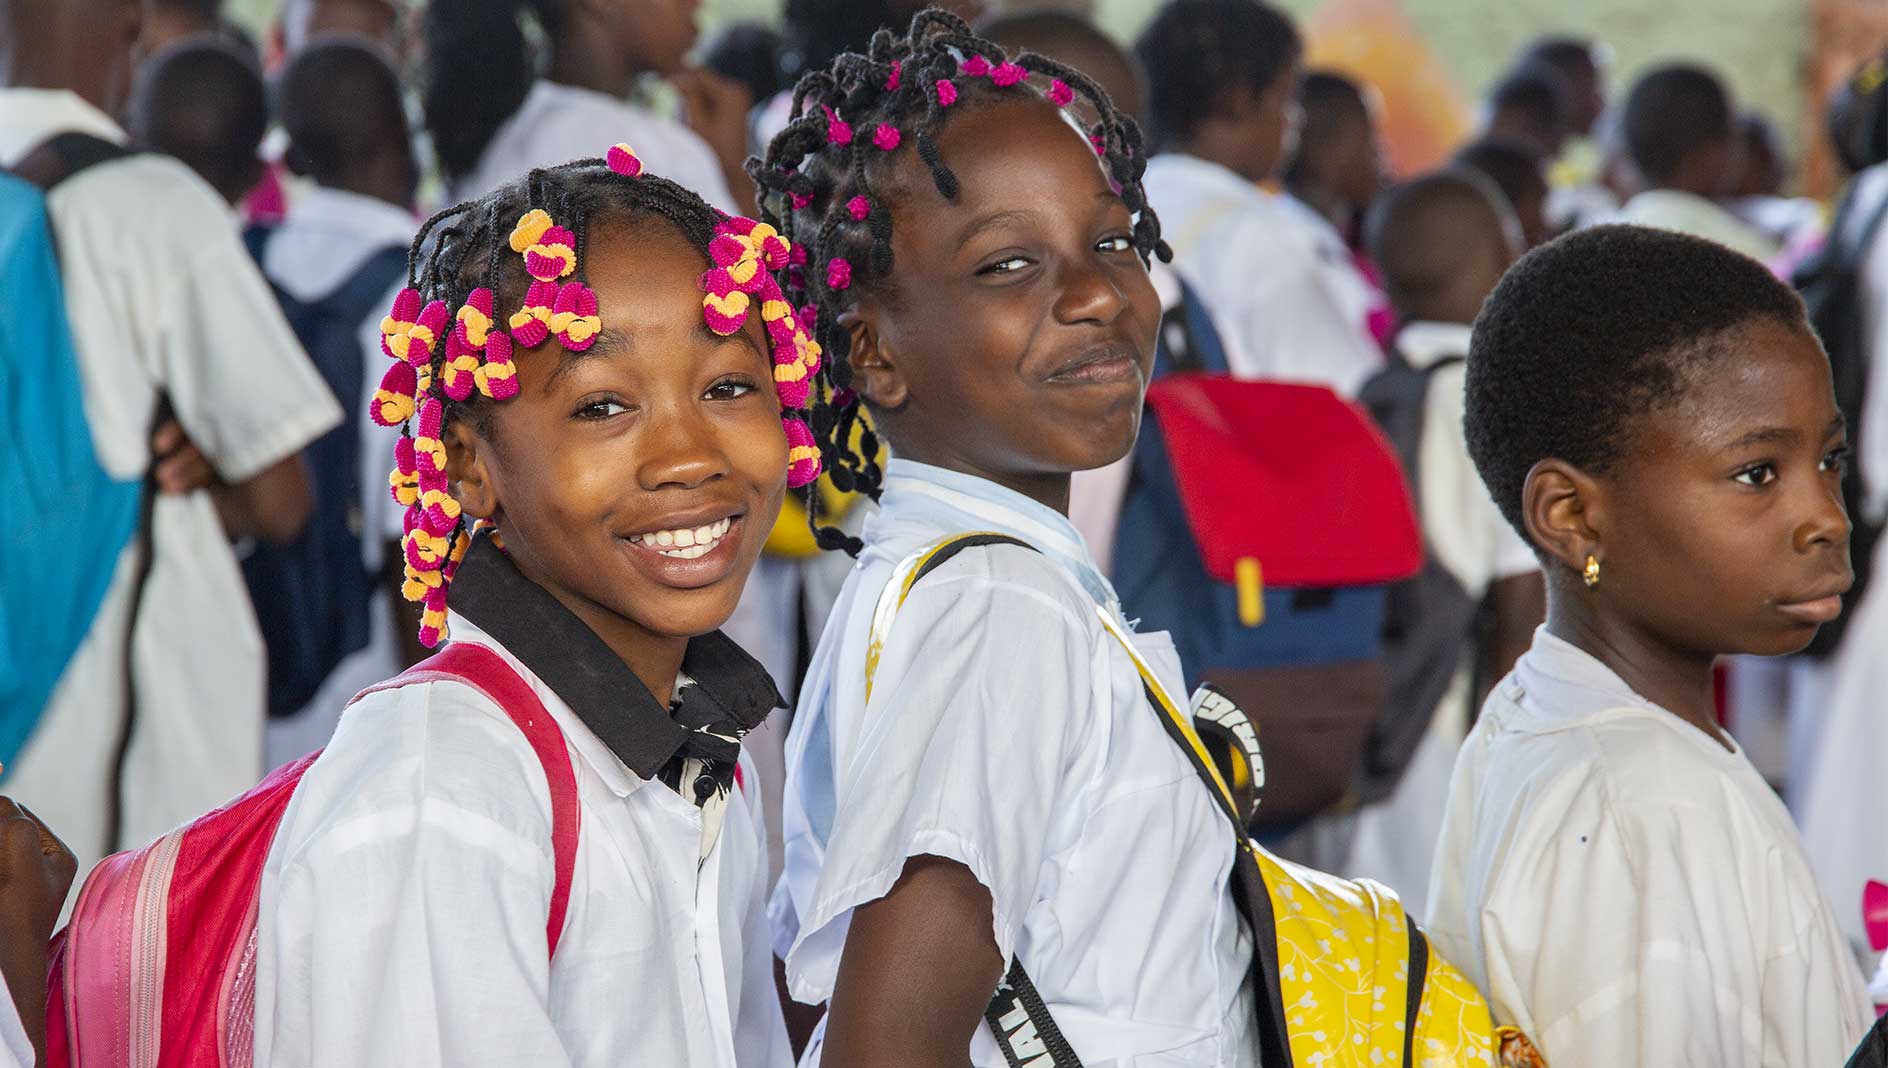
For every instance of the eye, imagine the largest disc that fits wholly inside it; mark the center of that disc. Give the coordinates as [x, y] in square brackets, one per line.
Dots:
[1757, 475]
[1005, 266]
[1836, 461]
[733, 387]
[1115, 243]
[602, 408]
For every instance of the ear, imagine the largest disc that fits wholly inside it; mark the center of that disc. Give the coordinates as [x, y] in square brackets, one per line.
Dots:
[874, 371]
[469, 470]
[1565, 512]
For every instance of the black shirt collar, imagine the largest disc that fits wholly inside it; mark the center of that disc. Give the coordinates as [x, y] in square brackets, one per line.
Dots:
[731, 690]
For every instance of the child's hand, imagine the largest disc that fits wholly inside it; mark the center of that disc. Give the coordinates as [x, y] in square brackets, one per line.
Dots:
[178, 466]
[36, 871]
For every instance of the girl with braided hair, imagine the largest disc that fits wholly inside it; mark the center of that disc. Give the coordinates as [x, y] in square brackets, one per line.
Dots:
[1004, 839]
[592, 448]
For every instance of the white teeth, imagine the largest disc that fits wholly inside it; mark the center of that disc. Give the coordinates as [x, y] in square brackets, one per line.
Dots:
[688, 543]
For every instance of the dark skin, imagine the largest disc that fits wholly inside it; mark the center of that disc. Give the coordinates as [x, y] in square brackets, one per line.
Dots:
[1344, 172]
[660, 425]
[36, 872]
[607, 44]
[1253, 133]
[1719, 532]
[1024, 359]
[1710, 171]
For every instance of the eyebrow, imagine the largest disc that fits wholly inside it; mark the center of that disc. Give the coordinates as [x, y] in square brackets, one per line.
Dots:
[1001, 218]
[608, 340]
[1780, 435]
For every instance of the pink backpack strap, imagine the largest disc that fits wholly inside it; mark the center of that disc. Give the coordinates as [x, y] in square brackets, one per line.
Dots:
[487, 672]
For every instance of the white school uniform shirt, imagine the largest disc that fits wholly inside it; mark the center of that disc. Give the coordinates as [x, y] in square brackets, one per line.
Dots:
[1628, 891]
[1008, 731]
[328, 236]
[560, 123]
[16, 1050]
[162, 297]
[404, 901]
[1280, 283]
[1396, 839]
[1689, 213]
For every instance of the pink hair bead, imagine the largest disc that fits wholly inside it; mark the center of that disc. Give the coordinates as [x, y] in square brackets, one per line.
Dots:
[622, 159]
[976, 66]
[891, 83]
[838, 131]
[1007, 74]
[886, 136]
[838, 274]
[859, 207]
[1060, 94]
[946, 93]
[803, 464]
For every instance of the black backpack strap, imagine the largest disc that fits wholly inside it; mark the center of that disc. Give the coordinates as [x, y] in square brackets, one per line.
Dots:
[1413, 992]
[65, 156]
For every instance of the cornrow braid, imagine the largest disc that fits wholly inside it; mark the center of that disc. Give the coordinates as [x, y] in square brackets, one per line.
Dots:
[511, 264]
[817, 187]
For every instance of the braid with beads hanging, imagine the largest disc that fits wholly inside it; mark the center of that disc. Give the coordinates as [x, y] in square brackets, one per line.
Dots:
[816, 187]
[522, 248]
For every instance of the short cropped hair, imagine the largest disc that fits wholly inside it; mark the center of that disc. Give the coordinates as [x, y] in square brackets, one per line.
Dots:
[1195, 51]
[1670, 114]
[1590, 332]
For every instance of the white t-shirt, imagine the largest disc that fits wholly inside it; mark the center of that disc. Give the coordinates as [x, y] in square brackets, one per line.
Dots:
[1008, 731]
[1688, 213]
[328, 236]
[404, 900]
[1396, 839]
[1290, 302]
[163, 298]
[560, 123]
[1628, 891]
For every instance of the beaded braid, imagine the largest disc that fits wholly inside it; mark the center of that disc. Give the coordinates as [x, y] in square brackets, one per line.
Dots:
[816, 187]
[448, 362]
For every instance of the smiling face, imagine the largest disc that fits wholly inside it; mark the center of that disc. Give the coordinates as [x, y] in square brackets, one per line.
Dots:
[635, 481]
[1722, 530]
[1015, 333]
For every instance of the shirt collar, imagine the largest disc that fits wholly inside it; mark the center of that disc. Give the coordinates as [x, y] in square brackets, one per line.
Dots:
[954, 501]
[30, 116]
[1423, 343]
[536, 628]
[374, 220]
[1564, 682]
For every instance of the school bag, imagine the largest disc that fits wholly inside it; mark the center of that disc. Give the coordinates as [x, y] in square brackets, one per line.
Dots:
[1428, 619]
[157, 966]
[1830, 283]
[313, 596]
[1261, 525]
[1342, 977]
[67, 520]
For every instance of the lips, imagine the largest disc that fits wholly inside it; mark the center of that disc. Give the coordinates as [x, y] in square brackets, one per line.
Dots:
[1818, 607]
[686, 551]
[1113, 362]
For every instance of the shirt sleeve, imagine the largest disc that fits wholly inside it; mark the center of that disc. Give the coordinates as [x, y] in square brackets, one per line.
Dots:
[1656, 933]
[1303, 335]
[242, 387]
[404, 913]
[971, 749]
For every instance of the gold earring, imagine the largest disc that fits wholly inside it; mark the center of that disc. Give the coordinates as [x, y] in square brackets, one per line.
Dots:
[1592, 575]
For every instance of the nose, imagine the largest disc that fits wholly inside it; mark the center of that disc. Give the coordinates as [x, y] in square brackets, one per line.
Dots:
[1090, 294]
[1826, 525]
[678, 450]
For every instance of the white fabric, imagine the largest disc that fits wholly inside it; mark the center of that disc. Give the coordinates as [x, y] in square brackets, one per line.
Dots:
[162, 297]
[1288, 298]
[1395, 840]
[16, 1050]
[328, 236]
[560, 123]
[1688, 213]
[404, 902]
[1008, 731]
[1628, 891]
[1871, 446]
[1841, 804]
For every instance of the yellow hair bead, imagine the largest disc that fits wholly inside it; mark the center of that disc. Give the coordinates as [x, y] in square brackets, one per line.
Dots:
[775, 310]
[531, 226]
[406, 488]
[394, 408]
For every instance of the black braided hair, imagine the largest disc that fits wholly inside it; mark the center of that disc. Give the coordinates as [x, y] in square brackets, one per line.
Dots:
[467, 245]
[808, 179]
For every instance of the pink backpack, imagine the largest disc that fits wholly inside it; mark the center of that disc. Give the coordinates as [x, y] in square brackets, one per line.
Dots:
[157, 967]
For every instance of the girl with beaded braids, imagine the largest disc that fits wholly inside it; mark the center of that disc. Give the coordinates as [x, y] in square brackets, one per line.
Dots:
[1003, 842]
[596, 382]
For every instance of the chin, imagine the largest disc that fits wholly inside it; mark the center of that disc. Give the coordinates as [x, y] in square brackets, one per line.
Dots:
[678, 614]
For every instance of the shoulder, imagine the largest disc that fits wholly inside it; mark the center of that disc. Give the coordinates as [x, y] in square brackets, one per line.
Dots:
[147, 193]
[425, 758]
[984, 584]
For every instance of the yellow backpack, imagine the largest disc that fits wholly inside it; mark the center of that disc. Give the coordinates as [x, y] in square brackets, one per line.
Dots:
[1335, 956]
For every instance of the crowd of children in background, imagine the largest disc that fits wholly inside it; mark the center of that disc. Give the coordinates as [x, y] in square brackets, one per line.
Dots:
[1515, 503]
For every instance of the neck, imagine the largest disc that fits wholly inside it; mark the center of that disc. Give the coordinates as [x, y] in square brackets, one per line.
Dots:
[29, 64]
[582, 60]
[1324, 202]
[1679, 681]
[1209, 145]
[653, 658]
[372, 182]
[1049, 490]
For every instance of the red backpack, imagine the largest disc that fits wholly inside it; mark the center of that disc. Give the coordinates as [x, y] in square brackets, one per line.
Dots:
[157, 967]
